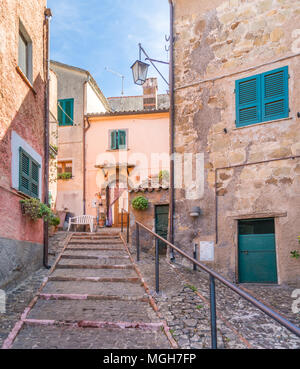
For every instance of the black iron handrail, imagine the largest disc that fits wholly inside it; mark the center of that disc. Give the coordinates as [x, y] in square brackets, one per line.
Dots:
[212, 276]
[122, 223]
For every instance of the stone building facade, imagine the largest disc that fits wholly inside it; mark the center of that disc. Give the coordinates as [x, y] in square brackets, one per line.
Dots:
[77, 95]
[23, 55]
[249, 134]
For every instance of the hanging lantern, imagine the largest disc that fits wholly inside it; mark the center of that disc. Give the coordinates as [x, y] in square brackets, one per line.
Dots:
[139, 72]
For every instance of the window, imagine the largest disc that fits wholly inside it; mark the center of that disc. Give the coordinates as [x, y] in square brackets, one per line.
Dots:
[64, 170]
[65, 112]
[25, 53]
[28, 174]
[262, 97]
[118, 140]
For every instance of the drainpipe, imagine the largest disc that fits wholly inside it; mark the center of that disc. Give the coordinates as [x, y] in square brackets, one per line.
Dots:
[48, 16]
[84, 129]
[171, 129]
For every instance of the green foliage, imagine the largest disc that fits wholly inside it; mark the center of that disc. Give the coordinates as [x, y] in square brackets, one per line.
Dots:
[35, 209]
[64, 176]
[193, 288]
[54, 220]
[199, 307]
[140, 203]
[295, 254]
[163, 176]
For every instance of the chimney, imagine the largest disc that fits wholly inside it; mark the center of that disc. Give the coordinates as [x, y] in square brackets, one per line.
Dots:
[150, 94]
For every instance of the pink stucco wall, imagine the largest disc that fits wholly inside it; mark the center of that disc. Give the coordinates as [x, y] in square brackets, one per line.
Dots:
[147, 134]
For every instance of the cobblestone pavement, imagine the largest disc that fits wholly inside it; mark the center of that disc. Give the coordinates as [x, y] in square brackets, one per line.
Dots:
[93, 297]
[19, 297]
[183, 303]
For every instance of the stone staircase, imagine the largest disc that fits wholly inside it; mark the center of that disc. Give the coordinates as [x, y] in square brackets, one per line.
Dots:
[93, 298]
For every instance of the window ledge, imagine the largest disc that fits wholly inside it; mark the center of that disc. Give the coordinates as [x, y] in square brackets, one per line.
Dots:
[114, 150]
[262, 123]
[25, 79]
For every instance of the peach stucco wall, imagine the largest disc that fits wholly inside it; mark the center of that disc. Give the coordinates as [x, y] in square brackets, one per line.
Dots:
[147, 134]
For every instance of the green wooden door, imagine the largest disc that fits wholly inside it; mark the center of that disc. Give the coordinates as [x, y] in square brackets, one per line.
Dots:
[257, 252]
[161, 224]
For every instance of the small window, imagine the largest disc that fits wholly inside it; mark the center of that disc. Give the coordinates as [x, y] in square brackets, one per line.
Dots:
[118, 140]
[64, 170]
[262, 97]
[25, 53]
[28, 174]
[65, 112]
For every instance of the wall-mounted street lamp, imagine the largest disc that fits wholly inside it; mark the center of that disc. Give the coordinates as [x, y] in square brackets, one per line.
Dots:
[140, 68]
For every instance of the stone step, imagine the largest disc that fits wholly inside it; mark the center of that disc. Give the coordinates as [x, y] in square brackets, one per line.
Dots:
[54, 337]
[100, 237]
[93, 266]
[120, 253]
[95, 279]
[95, 242]
[95, 261]
[91, 288]
[106, 310]
[92, 257]
[91, 248]
[98, 273]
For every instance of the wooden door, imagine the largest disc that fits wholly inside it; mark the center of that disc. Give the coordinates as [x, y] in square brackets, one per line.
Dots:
[257, 251]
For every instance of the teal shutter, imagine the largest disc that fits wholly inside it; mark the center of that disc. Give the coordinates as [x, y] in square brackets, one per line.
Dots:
[24, 172]
[34, 179]
[28, 174]
[60, 108]
[275, 96]
[113, 140]
[248, 105]
[66, 112]
[122, 139]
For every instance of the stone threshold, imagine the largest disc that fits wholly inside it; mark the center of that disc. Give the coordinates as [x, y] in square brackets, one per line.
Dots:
[91, 257]
[93, 249]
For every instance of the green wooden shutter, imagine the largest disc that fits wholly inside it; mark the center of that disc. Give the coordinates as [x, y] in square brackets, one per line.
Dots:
[275, 96]
[248, 101]
[28, 174]
[122, 139]
[69, 112]
[34, 178]
[24, 172]
[60, 115]
[113, 140]
[65, 114]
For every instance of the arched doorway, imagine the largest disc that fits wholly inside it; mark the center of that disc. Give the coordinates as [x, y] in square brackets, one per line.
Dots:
[116, 200]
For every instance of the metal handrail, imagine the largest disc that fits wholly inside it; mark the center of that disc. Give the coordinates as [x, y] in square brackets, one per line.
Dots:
[213, 275]
[122, 223]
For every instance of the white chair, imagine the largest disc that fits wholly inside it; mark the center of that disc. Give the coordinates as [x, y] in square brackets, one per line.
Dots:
[82, 220]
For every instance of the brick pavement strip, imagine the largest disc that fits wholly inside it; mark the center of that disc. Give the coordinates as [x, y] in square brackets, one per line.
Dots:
[89, 310]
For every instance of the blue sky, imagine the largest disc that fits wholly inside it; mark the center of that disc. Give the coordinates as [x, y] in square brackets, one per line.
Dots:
[94, 34]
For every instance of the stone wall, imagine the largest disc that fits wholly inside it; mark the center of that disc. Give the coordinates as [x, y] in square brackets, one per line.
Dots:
[218, 42]
[147, 217]
[21, 110]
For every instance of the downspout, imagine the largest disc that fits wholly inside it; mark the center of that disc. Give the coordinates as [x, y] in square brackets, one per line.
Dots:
[171, 130]
[84, 141]
[48, 16]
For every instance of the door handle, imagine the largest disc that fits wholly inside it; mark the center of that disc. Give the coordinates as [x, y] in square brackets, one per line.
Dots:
[245, 252]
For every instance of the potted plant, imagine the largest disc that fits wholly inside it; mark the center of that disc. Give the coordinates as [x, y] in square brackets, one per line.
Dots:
[64, 176]
[102, 220]
[140, 203]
